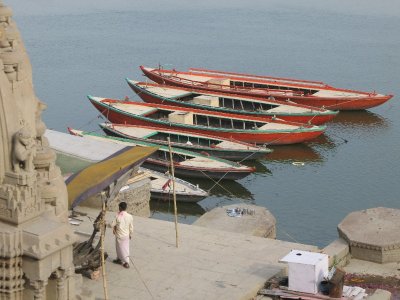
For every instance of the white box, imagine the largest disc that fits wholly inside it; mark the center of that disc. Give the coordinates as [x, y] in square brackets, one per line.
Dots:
[181, 117]
[306, 270]
[206, 100]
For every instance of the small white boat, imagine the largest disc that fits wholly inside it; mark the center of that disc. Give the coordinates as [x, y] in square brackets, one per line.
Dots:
[162, 189]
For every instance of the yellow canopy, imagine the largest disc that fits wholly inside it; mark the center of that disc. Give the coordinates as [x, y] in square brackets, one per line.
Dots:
[97, 177]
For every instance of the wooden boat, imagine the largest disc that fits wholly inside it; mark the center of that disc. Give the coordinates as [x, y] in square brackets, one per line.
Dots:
[186, 163]
[84, 152]
[161, 187]
[208, 145]
[313, 93]
[247, 105]
[230, 126]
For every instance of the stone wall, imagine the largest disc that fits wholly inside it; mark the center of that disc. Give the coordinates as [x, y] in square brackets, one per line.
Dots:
[137, 196]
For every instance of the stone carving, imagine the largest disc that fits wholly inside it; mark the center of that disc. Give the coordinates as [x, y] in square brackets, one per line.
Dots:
[23, 150]
[40, 126]
[35, 237]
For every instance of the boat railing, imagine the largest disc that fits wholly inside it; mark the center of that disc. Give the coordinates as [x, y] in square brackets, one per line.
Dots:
[223, 73]
[206, 84]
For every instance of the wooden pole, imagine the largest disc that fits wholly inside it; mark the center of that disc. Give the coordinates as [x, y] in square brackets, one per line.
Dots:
[173, 191]
[102, 232]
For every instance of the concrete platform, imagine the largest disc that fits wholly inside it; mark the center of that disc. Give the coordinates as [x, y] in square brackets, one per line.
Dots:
[357, 266]
[373, 234]
[259, 223]
[209, 264]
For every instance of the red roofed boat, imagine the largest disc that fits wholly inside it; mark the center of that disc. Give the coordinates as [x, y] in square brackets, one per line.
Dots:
[238, 104]
[313, 93]
[232, 126]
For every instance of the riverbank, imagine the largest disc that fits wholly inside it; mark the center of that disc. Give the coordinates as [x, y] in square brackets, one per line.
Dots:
[213, 264]
[208, 264]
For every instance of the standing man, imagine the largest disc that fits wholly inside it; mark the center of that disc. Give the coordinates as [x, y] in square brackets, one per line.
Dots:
[123, 230]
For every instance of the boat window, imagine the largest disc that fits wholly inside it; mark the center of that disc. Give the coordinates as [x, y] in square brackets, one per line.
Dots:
[248, 105]
[227, 102]
[271, 86]
[248, 84]
[187, 97]
[238, 124]
[266, 106]
[161, 115]
[214, 122]
[226, 123]
[201, 120]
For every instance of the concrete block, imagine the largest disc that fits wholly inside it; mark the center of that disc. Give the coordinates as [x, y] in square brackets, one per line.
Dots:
[181, 117]
[219, 81]
[206, 100]
[261, 223]
[338, 251]
[373, 234]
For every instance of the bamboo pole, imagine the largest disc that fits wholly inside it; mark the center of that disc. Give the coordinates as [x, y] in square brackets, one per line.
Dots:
[102, 232]
[173, 191]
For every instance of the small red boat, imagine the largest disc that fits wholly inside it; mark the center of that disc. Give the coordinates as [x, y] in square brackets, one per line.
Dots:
[312, 93]
[237, 104]
[232, 126]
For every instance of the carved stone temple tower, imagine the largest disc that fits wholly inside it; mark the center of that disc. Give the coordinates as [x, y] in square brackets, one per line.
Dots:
[35, 237]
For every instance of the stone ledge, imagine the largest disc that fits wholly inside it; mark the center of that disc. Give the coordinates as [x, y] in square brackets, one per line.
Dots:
[373, 234]
[262, 223]
[338, 251]
[44, 236]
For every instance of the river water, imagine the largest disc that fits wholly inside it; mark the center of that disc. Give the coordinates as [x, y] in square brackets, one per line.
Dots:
[89, 47]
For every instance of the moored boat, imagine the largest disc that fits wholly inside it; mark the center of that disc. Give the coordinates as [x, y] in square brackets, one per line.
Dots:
[83, 152]
[240, 104]
[186, 163]
[161, 187]
[232, 126]
[311, 93]
[205, 144]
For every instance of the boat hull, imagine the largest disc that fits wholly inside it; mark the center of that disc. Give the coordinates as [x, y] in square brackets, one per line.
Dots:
[331, 103]
[158, 195]
[188, 172]
[359, 103]
[249, 136]
[316, 119]
[216, 152]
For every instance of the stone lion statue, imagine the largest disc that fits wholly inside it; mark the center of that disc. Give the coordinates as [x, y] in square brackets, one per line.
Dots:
[23, 150]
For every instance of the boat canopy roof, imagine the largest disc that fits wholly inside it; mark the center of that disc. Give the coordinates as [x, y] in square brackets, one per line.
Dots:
[75, 146]
[99, 176]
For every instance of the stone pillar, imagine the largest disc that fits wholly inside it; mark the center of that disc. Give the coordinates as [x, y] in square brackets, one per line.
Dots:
[39, 289]
[60, 278]
[11, 276]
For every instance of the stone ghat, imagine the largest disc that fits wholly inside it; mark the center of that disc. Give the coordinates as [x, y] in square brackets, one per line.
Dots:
[208, 264]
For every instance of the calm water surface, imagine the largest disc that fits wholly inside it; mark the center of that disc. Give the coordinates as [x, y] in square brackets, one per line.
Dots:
[89, 47]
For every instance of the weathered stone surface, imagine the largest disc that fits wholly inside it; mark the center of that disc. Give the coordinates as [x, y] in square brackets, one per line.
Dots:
[208, 264]
[259, 223]
[373, 234]
[339, 252]
[35, 237]
[137, 196]
[380, 295]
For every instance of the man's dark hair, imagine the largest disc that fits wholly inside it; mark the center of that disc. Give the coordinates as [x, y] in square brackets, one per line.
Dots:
[123, 206]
